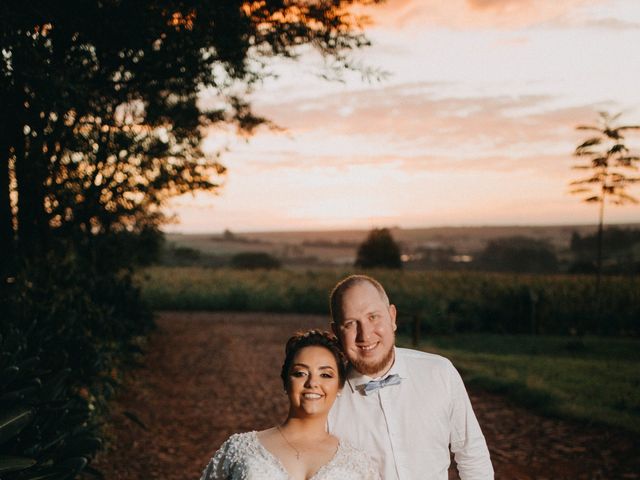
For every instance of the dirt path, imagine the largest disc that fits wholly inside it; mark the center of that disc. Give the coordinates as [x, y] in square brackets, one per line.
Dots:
[207, 375]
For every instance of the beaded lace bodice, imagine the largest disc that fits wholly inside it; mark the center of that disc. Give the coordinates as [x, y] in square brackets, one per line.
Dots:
[243, 457]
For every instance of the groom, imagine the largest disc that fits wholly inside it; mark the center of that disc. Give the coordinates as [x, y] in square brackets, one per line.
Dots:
[407, 409]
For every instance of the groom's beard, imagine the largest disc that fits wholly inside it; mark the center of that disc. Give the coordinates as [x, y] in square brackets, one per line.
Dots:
[367, 368]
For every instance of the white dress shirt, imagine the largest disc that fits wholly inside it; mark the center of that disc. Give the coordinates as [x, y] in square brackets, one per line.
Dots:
[408, 428]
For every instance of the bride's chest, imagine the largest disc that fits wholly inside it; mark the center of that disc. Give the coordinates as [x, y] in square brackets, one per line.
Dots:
[258, 467]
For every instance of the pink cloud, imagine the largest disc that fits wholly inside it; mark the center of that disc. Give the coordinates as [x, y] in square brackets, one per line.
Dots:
[414, 114]
[412, 129]
[465, 14]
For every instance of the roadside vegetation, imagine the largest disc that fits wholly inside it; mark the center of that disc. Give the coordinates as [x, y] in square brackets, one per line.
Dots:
[445, 302]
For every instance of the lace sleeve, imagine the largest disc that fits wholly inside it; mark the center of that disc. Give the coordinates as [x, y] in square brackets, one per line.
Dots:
[219, 466]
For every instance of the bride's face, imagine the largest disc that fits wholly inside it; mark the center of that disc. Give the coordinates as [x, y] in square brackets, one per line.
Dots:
[313, 381]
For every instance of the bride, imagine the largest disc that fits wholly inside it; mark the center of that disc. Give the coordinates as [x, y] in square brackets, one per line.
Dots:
[300, 448]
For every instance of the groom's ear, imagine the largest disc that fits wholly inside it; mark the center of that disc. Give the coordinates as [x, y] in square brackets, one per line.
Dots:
[392, 314]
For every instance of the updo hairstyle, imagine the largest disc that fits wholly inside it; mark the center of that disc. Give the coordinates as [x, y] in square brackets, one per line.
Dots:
[313, 338]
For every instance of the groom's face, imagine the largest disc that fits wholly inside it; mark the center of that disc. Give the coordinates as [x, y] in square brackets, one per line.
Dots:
[367, 329]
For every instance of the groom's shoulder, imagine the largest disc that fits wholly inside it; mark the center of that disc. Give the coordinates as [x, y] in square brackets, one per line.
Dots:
[420, 359]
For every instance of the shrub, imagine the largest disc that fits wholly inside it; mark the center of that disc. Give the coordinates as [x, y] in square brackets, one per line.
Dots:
[254, 260]
[65, 333]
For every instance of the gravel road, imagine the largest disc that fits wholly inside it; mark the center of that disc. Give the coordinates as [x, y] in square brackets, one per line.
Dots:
[207, 375]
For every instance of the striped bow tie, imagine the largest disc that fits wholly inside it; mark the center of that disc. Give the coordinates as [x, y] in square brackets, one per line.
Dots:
[374, 385]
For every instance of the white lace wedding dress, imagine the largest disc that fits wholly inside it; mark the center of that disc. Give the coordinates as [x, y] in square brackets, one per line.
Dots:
[243, 457]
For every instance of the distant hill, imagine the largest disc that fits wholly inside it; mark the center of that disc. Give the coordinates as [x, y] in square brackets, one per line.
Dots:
[336, 247]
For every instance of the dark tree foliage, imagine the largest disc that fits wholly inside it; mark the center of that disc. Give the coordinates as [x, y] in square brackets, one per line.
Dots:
[617, 239]
[621, 256]
[379, 250]
[100, 122]
[518, 254]
[99, 125]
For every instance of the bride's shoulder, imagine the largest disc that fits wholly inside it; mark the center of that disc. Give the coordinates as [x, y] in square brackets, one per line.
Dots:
[233, 450]
[356, 457]
[239, 440]
[347, 448]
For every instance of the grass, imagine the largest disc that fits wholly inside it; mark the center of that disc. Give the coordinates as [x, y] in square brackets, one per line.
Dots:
[590, 379]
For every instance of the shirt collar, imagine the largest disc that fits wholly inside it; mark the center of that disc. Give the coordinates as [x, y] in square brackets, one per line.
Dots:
[355, 379]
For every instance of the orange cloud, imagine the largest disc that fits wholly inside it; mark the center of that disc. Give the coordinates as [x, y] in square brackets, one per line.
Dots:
[470, 14]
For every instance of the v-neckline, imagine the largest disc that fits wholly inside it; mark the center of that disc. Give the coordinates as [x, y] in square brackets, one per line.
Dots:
[278, 462]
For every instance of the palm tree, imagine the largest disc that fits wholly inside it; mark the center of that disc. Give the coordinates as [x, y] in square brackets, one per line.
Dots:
[610, 163]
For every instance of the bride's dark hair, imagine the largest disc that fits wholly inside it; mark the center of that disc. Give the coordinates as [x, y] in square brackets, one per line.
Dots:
[313, 338]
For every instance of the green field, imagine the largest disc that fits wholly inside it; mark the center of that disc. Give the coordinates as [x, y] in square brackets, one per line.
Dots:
[445, 301]
[590, 379]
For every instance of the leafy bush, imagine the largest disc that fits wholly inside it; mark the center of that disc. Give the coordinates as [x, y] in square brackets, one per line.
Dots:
[66, 332]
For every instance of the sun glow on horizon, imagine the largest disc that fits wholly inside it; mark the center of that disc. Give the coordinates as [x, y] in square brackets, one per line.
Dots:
[475, 125]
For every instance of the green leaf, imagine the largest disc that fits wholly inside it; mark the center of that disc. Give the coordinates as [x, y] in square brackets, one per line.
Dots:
[74, 465]
[55, 385]
[12, 422]
[48, 475]
[29, 363]
[92, 471]
[82, 446]
[12, 464]
[8, 375]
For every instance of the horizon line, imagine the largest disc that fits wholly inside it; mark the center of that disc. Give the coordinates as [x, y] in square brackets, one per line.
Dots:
[397, 227]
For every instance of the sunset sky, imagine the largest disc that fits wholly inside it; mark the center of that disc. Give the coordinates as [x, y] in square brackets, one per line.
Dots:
[473, 125]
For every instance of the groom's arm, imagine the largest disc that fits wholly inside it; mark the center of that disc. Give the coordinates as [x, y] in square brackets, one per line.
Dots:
[466, 439]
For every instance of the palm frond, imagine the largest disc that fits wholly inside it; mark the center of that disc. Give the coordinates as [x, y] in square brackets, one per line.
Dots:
[589, 143]
[612, 133]
[584, 153]
[627, 162]
[599, 162]
[588, 127]
[618, 147]
[584, 181]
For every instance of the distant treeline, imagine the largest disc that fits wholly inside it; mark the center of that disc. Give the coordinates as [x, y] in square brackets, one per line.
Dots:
[520, 254]
[516, 254]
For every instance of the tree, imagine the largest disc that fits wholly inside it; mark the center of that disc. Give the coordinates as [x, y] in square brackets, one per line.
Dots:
[100, 122]
[99, 125]
[379, 250]
[622, 254]
[610, 164]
